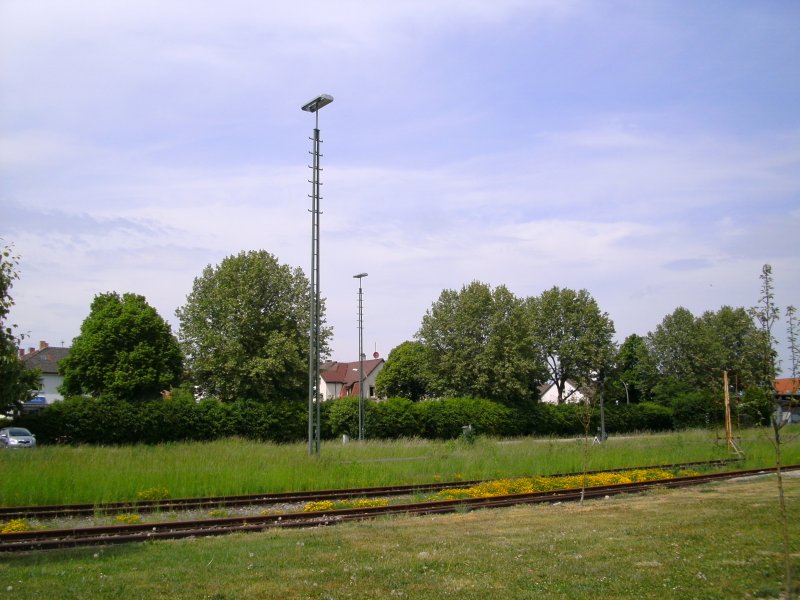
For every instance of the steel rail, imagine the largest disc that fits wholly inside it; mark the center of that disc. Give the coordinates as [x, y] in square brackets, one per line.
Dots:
[166, 505]
[120, 534]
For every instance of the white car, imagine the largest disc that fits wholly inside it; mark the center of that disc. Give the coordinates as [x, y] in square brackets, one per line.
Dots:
[17, 437]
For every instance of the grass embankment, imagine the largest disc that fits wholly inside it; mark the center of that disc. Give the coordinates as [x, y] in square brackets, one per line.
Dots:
[63, 474]
[717, 541]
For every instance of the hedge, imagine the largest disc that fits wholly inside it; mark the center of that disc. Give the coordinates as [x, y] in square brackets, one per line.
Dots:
[84, 420]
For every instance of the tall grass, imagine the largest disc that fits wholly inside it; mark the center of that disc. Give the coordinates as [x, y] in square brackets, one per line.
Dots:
[83, 474]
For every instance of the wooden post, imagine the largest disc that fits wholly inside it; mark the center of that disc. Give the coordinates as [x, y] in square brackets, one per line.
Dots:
[728, 424]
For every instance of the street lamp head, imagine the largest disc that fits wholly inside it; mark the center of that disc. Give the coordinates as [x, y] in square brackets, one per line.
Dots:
[359, 276]
[317, 103]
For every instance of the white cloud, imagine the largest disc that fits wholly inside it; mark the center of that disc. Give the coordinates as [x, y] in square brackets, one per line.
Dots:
[141, 141]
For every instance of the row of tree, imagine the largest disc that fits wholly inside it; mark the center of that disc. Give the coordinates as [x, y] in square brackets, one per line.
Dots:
[243, 336]
[486, 342]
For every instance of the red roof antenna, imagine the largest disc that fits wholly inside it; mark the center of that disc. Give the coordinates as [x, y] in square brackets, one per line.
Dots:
[375, 354]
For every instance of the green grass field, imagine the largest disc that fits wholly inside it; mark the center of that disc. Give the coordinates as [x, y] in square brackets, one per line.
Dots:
[718, 541]
[84, 474]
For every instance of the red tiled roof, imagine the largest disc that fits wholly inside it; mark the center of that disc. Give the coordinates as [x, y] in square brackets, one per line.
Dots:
[347, 373]
[787, 386]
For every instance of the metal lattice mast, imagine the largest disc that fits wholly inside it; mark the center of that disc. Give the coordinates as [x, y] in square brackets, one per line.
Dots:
[361, 428]
[314, 394]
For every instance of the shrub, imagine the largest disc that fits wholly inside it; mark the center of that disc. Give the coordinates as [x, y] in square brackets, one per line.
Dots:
[756, 406]
[82, 420]
[391, 419]
[695, 409]
[342, 417]
[444, 418]
[271, 421]
[646, 416]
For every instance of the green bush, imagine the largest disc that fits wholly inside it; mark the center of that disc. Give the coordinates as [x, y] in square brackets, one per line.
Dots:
[271, 421]
[82, 420]
[181, 418]
[391, 419]
[341, 416]
[756, 407]
[645, 416]
[444, 418]
[696, 409]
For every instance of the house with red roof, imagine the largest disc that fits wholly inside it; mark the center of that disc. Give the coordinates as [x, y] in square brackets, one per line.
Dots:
[787, 394]
[340, 379]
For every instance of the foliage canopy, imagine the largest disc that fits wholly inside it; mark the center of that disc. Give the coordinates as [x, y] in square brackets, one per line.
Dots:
[125, 350]
[16, 381]
[244, 329]
[478, 345]
[570, 336]
[405, 373]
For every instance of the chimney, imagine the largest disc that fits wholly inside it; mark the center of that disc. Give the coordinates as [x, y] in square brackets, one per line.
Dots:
[31, 350]
[42, 345]
[21, 352]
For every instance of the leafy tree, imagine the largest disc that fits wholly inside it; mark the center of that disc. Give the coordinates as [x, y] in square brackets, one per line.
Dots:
[244, 329]
[477, 344]
[16, 381]
[678, 350]
[571, 336]
[693, 351]
[732, 344]
[125, 350]
[405, 373]
[634, 372]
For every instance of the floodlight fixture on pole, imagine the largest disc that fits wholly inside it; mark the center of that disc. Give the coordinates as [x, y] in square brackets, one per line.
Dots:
[314, 393]
[317, 103]
[360, 276]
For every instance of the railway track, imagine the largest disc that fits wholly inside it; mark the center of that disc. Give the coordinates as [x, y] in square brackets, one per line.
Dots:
[120, 534]
[184, 504]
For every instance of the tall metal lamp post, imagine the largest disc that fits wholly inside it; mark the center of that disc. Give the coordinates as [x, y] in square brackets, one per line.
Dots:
[360, 276]
[314, 395]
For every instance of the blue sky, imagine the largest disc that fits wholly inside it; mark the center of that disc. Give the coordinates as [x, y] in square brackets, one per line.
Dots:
[648, 152]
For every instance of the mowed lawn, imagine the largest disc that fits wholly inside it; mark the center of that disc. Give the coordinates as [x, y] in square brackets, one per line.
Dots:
[721, 540]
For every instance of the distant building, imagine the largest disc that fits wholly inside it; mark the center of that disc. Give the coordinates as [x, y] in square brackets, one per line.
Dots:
[340, 379]
[548, 393]
[46, 358]
[787, 395]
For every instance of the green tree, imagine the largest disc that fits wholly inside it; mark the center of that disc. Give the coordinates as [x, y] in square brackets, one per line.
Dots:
[125, 350]
[478, 344]
[678, 350]
[634, 374]
[732, 344]
[692, 352]
[16, 382]
[244, 329]
[405, 373]
[570, 336]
